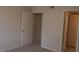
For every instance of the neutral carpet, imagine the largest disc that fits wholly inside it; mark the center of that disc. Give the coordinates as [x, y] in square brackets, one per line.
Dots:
[33, 47]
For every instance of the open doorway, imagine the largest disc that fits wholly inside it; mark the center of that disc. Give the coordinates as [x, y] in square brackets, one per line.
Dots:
[37, 28]
[70, 31]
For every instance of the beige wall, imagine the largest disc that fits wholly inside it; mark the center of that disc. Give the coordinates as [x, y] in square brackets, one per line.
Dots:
[10, 27]
[52, 26]
[37, 26]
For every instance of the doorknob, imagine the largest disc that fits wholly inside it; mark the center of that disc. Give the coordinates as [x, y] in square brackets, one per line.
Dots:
[22, 30]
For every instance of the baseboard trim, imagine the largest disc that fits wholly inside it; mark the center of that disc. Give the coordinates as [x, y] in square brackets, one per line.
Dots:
[6, 50]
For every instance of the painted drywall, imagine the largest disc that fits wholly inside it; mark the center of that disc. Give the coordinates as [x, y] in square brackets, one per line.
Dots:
[9, 28]
[26, 8]
[37, 26]
[10, 20]
[52, 26]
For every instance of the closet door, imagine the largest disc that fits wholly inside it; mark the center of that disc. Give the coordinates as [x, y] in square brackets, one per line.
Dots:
[72, 30]
[26, 28]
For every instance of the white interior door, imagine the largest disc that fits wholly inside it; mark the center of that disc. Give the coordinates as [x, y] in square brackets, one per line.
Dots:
[26, 28]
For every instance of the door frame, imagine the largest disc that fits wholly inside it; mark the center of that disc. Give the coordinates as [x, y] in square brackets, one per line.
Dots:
[65, 28]
[34, 27]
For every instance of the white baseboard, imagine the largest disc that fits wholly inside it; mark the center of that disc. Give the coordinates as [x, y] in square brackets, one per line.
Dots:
[5, 50]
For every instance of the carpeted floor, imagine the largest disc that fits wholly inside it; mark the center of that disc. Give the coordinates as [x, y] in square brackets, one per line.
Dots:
[34, 47]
